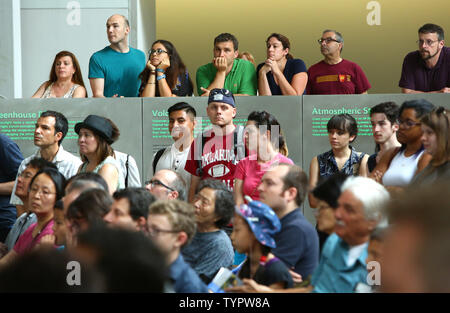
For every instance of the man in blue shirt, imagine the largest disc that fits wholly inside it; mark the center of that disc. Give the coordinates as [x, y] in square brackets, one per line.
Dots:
[10, 157]
[171, 224]
[114, 70]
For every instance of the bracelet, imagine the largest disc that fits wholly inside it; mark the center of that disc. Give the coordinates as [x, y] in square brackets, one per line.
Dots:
[151, 83]
[160, 77]
[160, 70]
[152, 72]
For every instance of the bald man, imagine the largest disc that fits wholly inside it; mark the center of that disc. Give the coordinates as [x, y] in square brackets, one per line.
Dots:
[114, 70]
[167, 185]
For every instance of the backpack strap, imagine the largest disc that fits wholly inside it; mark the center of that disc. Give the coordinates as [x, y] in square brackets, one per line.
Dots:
[239, 144]
[156, 158]
[127, 167]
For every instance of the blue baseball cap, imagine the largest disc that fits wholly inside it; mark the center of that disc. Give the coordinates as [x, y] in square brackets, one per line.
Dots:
[221, 95]
[262, 220]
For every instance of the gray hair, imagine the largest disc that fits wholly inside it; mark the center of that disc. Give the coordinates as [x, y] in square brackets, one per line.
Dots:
[373, 196]
[179, 185]
[339, 36]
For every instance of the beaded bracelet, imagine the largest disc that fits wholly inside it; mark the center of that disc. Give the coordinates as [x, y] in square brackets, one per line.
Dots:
[160, 77]
[160, 70]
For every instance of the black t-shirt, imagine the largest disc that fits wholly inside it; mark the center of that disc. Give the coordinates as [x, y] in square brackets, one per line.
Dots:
[273, 271]
[183, 87]
[292, 67]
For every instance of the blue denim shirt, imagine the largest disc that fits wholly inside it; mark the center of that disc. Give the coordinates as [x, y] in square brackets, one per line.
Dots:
[185, 279]
[333, 274]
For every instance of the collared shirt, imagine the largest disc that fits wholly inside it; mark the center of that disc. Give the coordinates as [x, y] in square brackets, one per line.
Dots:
[328, 165]
[333, 273]
[22, 223]
[185, 279]
[66, 163]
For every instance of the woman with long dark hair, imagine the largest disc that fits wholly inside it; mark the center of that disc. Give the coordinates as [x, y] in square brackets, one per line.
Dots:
[165, 74]
[281, 74]
[66, 80]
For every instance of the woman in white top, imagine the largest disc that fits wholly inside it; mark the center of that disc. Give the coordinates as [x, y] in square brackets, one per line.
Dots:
[96, 134]
[398, 166]
[66, 80]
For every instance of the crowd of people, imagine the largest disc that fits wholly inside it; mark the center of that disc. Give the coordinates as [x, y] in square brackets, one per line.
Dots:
[120, 70]
[229, 199]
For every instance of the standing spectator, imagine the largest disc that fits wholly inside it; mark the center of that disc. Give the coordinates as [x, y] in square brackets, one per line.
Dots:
[95, 136]
[226, 70]
[335, 75]
[265, 140]
[66, 79]
[10, 157]
[114, 70]
[50, 130]
[165, 74]
[342, 130]
[281, 74]
[427, 69]
[211, 247]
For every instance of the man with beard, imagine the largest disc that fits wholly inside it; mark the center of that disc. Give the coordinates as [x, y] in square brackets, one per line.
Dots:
[335, 75]
[427, 69]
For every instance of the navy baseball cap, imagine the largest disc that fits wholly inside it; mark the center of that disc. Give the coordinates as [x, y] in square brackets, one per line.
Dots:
[262, 220]
[221, 95]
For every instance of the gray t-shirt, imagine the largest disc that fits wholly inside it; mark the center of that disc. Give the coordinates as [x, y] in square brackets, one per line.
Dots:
[208, 252]
[20, 226]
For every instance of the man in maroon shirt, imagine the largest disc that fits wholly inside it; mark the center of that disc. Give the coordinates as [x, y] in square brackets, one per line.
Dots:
[427, 69]
[335, 75]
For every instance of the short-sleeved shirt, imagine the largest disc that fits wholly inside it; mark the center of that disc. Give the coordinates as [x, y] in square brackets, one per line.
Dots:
[119, 70]
[292, 67]
[208, 252]
[334, 274]
[66, 163]
[297, 243]
[271, 272]
[417, 76]
[22, 223]
[251, 172]
[345, 77]
[218, 159]
[184, 278]
[26, 242]
[10, 159]
[240, 80]
[328, 165]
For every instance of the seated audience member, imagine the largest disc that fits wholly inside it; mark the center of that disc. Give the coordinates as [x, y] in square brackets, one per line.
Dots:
[129, 169]
[342, 131]
[128, 261]
[95, 136]
[327, 194]
[171, 225]
[181, 127]
[27, 218]
[211, 247]
[384, 120]
[264, 137]
[281, 74]
[343, 262]
[11, 157]
[284, 188]
[255, 225]
[66, 79]
[165, 74]
[166, 185]
[416, 250]
[427, 69]
[398, 166]
[436, 141]
[247, 56]
[226, 70]
[130, 209]
[46, 187]
[335, 75]
[50, 129]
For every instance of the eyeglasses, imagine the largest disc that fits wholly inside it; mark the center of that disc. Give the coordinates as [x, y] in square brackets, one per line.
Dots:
[428, 42]
[156, 182]
[327, 40]
[43, 192]
[158, 51]
[153, 231]
[408, 123]
[26, 175]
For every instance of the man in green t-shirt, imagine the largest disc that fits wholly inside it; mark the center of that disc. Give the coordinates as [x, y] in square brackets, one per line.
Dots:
[226, 70]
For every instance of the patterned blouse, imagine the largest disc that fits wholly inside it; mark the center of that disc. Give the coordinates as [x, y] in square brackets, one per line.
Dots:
[328, 165]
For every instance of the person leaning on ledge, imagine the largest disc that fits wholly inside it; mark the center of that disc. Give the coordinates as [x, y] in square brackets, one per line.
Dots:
[427, 69]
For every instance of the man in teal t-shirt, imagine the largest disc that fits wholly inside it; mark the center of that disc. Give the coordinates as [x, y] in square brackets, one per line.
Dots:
[226, 70]
[114, 70]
